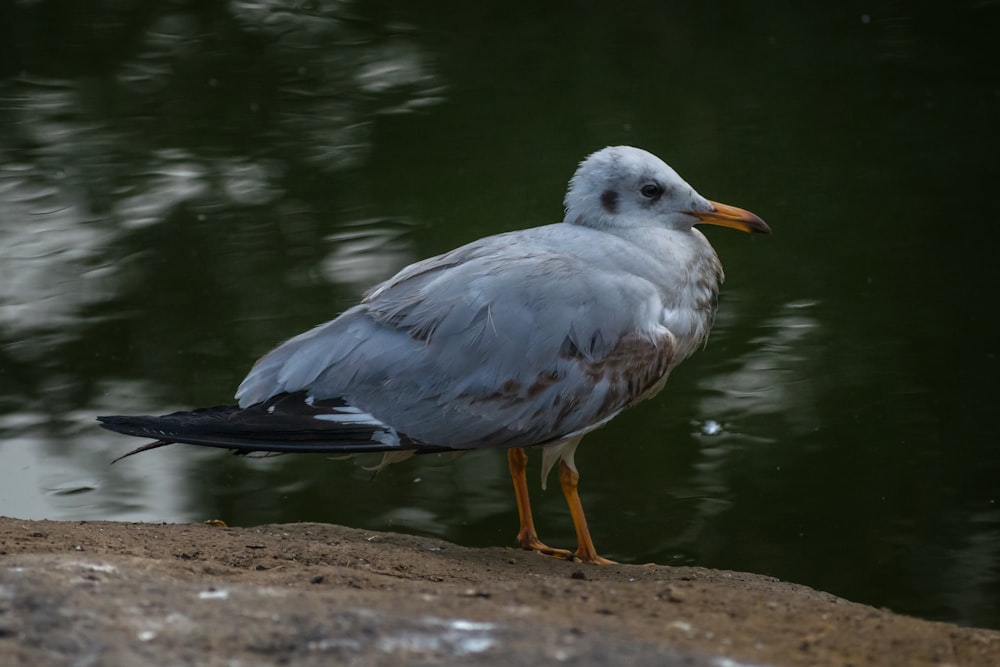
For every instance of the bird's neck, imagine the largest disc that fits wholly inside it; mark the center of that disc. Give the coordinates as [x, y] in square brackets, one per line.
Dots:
[697, 299]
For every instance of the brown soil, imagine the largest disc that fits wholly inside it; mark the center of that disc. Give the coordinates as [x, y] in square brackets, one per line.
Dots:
[106, 593]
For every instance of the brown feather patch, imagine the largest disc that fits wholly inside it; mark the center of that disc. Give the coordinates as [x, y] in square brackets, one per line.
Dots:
[634, 370]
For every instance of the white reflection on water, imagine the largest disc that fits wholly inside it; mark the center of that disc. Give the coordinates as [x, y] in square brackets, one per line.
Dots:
[251, 182]
[37, 484]
[173, 177]
[48, 237]
[58, 466]
[366, 252]
[767, 385]
[344, 75]
[50, 256]
[772, 378]
[401, 65]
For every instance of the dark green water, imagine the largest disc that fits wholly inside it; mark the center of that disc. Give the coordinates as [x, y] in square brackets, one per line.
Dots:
[184, 185]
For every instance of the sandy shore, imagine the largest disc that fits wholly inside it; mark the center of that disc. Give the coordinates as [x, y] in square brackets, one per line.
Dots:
[106, 593]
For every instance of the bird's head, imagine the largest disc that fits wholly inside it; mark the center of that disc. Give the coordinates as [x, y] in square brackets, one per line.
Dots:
[622, 186]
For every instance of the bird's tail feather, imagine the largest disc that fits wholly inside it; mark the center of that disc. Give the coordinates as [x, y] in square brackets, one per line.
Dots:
[282, 424]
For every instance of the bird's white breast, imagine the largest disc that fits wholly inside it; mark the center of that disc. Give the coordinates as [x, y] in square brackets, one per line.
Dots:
[686, 272]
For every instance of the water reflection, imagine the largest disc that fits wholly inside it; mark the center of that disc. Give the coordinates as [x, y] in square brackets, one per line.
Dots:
[187, 156]
[365, 252]
[749, 403]
[774, 379]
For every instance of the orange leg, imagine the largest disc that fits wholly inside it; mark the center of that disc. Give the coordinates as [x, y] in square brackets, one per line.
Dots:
[527, 537]
[585, 551]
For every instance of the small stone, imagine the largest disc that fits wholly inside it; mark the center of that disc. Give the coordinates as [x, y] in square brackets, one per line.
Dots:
[476, 593]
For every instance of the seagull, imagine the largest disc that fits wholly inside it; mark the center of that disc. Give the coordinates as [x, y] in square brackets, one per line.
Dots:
[530, 338]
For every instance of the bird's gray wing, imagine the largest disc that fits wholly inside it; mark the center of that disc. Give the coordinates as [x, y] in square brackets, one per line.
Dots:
[503, 342]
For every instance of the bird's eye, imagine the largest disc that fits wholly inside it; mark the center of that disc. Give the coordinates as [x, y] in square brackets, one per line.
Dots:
[651, 190]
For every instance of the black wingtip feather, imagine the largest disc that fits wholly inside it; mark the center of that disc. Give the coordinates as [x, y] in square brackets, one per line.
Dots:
[144, 448]
[286, 423]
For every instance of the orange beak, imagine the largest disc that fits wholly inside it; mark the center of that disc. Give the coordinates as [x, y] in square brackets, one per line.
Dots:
[735, 218]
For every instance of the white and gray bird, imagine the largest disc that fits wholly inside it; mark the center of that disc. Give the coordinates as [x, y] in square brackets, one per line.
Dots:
[531, 338]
